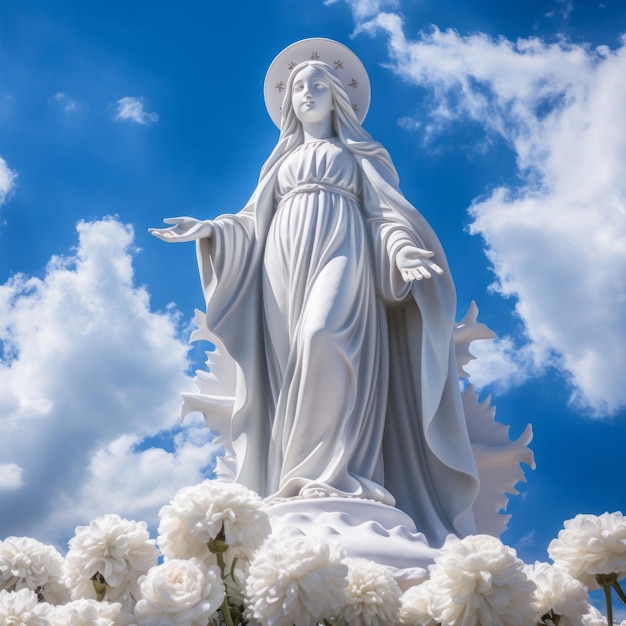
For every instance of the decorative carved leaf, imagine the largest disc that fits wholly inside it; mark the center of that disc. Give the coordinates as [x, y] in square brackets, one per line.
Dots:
[215, 396]
[466, 331]
[498, 459]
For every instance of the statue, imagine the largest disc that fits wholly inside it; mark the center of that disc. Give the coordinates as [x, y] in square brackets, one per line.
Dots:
[333, 297]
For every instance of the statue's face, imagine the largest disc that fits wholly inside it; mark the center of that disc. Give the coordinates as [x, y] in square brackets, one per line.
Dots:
[311, 97]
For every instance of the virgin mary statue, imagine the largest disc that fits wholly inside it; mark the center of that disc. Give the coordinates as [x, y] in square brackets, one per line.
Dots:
[333, 296]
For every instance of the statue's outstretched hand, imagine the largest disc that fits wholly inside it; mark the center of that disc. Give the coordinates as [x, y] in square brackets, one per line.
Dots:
[414, 263]
[183, 229]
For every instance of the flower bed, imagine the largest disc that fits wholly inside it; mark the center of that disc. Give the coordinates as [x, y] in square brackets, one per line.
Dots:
[220, 564]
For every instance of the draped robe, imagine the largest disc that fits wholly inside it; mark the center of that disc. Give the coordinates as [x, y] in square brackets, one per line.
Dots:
[346, 376]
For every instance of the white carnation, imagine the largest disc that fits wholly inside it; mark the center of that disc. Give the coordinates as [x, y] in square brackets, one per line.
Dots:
[119, 550]
[557, 592]
[22, 608]
[593, 617]
[415, 609]
[590, 545]
[372, 595]
[296, 580]
[479, 580]
[204, 512]
[85, 613]
[28, 564]
[179, 593]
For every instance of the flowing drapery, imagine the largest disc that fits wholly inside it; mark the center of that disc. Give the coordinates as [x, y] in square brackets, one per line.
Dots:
[346, 378]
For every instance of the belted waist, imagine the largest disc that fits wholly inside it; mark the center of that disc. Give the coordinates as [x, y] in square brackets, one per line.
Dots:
[316, 188]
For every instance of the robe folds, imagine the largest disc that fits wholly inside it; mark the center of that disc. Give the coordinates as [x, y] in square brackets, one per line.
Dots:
[346, 376]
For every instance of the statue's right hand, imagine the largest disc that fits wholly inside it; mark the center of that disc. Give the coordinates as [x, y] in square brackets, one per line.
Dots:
[183, 229]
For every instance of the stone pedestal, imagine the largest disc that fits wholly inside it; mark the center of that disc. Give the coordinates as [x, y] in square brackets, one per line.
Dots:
[364, 528]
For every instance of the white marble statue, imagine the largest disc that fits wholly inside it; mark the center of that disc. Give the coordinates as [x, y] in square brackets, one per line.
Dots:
[333, 296]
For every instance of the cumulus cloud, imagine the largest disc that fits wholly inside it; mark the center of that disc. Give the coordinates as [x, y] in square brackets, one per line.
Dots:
[65, 101]
[500, 363]
[7, 181]
[88, 372]
[131, 109]
[364, 9]
[557, 242]
[11, 477]
[133, 482]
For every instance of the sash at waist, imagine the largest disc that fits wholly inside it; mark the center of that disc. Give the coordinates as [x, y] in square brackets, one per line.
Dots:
[316, 188]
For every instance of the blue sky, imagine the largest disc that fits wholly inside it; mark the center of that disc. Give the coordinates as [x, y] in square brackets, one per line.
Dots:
[505, 121]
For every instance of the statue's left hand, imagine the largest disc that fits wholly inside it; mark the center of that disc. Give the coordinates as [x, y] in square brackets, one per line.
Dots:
[414, 263]
[183, 229]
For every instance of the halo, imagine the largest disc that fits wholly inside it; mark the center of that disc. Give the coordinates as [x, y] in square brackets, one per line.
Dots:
[348, 66]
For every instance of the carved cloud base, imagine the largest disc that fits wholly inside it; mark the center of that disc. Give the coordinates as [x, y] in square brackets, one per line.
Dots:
[364, 528]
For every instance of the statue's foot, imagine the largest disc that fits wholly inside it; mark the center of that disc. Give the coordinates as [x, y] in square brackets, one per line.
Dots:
[317, 492]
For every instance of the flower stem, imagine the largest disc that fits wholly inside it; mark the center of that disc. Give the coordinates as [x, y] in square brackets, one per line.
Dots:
[228, 618]
[606, 581]
[619, 591]
[218, 546]
[609, 605]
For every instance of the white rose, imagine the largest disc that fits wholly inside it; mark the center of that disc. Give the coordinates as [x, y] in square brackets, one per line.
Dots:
[593, 617]
[589, 545]
[85, 613]
[415, 610]
[479, 580]
[28, 564]
[372, 595]
[179, 593]
[119, 550]
[22, 608]
[559, 593]
[296, 580]
[199, 514]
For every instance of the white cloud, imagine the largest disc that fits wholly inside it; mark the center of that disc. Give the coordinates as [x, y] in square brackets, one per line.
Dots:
[87, 371]
[136, 483]
[499, 363]
[131, 109]
[11, 477]
[65, 101]
[364, 9]
[7, 181]
[558, 241]
[566, 9]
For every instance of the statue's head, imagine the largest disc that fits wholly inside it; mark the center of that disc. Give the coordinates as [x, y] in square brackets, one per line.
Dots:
[317, 83]
[341, 68]
[343, 92]
[311, 95]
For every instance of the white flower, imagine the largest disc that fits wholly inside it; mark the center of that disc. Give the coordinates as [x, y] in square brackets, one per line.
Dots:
[85, 613]
[479, 580]
[22, 608]
[415, 610]
[200, 513]
[119, 550]
[557, 592]
[179, 593]
[296, 580]
[372, 595]
[27, 564]
[593, 617]
[590, 545]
